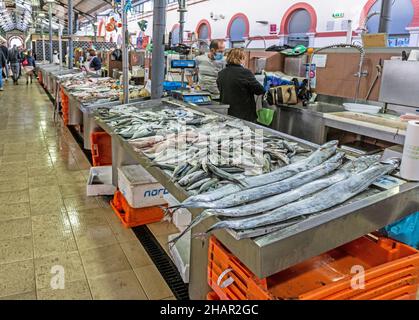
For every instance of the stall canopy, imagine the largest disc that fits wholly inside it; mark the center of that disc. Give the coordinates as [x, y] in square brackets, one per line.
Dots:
[20, 14]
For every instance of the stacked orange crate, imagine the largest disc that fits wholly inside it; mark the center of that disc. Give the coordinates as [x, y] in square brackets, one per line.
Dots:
[101, 144]
[64, 106]
[391, 270]
[131, 217]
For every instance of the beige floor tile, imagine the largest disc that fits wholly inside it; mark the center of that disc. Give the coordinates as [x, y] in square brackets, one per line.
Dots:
[38, 194]
[17, 249]
[43, 181]
[17, 278]
[51, 224]
[80, 203]
[104, 260]
[117, 286]
[69, 177]
[14, 197]
[18, 184]
[14, 211]
[40, 171]
[48, 243]
[170, 298]
[91, 230]
[22, 296]
[14, 148]
[77, 290]
[71, 262]
[136, 254]
[16, 228]
[153, 283]
[163, 241]
[48, 206]
[10, 175]
[14, 158]
[162, 228]
[74, 189]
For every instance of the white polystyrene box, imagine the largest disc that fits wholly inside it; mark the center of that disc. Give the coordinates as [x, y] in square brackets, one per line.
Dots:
[182, 217]
[102, 186]
[139, 188]
[180, 254]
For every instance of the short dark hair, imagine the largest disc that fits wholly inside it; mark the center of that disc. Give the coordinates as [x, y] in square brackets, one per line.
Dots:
[215, 44]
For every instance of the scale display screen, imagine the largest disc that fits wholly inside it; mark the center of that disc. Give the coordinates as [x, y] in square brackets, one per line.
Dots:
[197, 99]
[183, 64]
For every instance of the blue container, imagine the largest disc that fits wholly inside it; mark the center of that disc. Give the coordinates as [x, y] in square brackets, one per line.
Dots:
[173, 85]
[405, 230]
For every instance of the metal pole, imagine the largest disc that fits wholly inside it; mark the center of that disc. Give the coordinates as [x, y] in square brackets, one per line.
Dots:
[385, 16]
[157, 67]
[70, 34]
[182, 10]
[349, 32]
[60, 45]
[51, 60]
[43, 41]
[125, 62]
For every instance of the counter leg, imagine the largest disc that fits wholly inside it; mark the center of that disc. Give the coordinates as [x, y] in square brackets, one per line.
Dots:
[119, 158]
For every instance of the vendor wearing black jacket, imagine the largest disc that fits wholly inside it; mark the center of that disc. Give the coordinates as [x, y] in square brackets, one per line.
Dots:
[238, 87]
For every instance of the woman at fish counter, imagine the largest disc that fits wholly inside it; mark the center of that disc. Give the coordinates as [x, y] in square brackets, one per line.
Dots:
[238, 87]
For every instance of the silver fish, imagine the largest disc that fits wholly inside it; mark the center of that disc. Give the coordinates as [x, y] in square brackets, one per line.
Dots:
[316, 158]
[326, 199]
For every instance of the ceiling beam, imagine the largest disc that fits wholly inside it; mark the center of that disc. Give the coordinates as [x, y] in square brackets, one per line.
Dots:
[98, 7]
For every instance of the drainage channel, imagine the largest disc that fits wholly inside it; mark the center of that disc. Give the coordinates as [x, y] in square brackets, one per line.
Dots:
[153, 248]
[163, 262]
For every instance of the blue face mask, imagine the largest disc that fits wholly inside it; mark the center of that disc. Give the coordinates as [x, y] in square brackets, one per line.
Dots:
[218, 56]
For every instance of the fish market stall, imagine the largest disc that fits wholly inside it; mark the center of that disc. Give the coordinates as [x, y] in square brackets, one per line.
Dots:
[326, 197]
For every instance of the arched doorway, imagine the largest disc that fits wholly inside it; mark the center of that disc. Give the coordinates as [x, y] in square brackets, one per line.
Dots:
[238, 30]
[298, 25]
[402, 14]
[175, 35]
[15, 40]
[203, 30]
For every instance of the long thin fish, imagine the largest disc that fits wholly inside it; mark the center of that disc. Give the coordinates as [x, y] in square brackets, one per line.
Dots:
[326, 199]
[274, 188]
[316, 158]
[350, 168]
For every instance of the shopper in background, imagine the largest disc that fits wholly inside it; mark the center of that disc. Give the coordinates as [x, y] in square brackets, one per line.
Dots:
[95, 65]
[208, 65]
[14, 60]
[5, 52]
[238, 87]
[3, 62]
[28, 66]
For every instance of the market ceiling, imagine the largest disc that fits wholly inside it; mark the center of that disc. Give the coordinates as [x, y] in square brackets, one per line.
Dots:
[21, 14]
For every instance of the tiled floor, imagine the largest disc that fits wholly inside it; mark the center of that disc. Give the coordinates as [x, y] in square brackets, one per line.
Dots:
[48, 226]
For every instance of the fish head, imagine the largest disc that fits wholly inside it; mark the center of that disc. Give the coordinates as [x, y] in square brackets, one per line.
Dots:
[392, 161]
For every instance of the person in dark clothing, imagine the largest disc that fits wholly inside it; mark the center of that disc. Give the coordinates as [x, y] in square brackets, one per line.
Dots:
[14, 60]
[95, 64]
[3, 62]
[238, 87]
[5, 68]
[28, 66]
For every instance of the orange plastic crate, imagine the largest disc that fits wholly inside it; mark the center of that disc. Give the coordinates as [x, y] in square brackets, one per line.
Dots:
[212, 296]
[388, 264]
[131, 217]
[101, 143]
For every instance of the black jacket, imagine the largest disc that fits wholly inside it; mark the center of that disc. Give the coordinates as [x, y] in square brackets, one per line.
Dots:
[14, 56]
[238, 87]
[5, 52]
[3, 60]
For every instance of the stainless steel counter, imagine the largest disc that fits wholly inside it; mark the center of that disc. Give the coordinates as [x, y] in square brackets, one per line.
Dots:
[270, 254]
[312, 124]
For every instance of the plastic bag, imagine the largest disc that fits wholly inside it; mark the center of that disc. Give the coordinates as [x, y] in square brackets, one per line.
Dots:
[405, 230]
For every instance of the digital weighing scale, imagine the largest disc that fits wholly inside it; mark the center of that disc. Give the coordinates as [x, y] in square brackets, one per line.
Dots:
[197, 98]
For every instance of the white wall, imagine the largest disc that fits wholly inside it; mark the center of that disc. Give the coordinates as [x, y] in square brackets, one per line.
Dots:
[265, 10]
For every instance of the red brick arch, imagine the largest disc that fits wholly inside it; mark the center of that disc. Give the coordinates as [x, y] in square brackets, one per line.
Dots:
[200, 24]
[370, 3]
[289, 13]
[246, 22]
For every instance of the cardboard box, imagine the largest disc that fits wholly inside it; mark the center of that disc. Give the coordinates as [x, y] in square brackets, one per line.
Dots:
[139, 188]
[100, 182]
